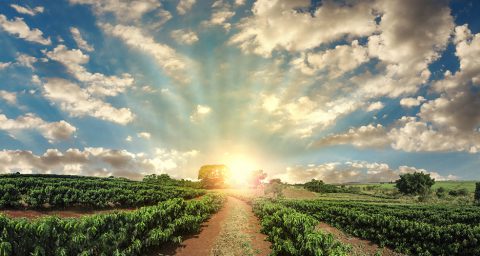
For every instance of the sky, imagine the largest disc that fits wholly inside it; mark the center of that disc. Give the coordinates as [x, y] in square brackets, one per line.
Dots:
[342, 91]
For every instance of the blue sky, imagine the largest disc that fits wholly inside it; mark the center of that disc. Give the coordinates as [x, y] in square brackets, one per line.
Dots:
[344, 91]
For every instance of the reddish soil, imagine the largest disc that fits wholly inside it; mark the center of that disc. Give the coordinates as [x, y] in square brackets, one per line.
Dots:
[360, 246]
[33, 214]
[210, 235]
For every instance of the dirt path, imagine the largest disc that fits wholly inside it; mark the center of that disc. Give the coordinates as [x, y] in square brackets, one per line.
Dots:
[360, 246]
[233, 231]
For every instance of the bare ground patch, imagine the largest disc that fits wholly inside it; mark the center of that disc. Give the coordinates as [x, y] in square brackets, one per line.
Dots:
[360, 247]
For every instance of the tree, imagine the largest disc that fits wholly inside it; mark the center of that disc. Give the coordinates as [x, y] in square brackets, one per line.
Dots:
[256, 177]
[213, 176]
[320, 187]
[416, 183]
[275, 187]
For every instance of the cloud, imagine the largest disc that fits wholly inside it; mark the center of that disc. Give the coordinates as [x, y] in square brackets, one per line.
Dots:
[411, 102]
[26, 60]
[408, 134]
[81, 43]
[183, 36]
[220, 15]
[53, 131]
[27, 10]
[97, 84]
[353, 171]
[9, 97]
[375, 106]
[363, 136]
[4, 65]
[100, 162]
[200, 113]
[78, 102]
[124, 10]
[240, 2]
[172, 63]
[129, 138]
[300, 117]
[144, 135]
[337, 61]
[282, 25]
[20, 29]
[184, 6]
[412, 35]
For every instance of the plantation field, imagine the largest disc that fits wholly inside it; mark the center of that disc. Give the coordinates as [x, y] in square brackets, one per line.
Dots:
[448, 185]
[111, 216]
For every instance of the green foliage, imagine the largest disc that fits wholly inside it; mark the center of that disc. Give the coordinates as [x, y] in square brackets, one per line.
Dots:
[118, 233]
[213, 176]
[321, 187]
[441, 192]
[275, 187]
[166, 180]
[411, 229]
[414, 183]
[293, 233]
[65, 191]
[458, 192]
[477, 192]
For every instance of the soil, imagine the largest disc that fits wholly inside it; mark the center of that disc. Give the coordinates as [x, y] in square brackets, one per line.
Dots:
[234, 230]
[360, 246]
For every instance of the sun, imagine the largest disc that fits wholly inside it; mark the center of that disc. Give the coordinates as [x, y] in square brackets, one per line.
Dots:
[240, 167]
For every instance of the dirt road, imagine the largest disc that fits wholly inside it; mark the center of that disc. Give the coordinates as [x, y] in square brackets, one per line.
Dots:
[233, 231]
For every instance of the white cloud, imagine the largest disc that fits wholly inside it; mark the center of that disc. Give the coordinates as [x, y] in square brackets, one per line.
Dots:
[27, 10]
[4, 65]
[124, 10]
[337, 61]
[97, 84]
[278, 25]
[184, 6]
[301, 116]
[53, 131]
[144, 135]
[26, 60]
[353, 171]
[129, 138]
[221, 14]
[172, 63]
[412, 36]
[183, 36]
[240, 2]
[200, 113]
[363, 136]
[9, 97]
[78, 102]
[95, 162]
[81, 43]
[411, 102]
[20, 29]
[408, 134]
[375, 106]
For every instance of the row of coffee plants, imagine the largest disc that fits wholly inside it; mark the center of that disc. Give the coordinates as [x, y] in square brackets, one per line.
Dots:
[402, 227]
[57, 191]
[118, 233]
[294, 233]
